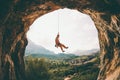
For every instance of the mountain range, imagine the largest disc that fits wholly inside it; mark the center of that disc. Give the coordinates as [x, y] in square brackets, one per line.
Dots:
[33, 48]
[86, 52]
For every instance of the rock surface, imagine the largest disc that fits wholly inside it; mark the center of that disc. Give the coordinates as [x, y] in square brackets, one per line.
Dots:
[16, 16]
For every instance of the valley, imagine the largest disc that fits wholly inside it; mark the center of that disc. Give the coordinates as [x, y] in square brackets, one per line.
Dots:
[62, 66]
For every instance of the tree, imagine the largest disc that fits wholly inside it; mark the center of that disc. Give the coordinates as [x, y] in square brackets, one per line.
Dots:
[37, 69]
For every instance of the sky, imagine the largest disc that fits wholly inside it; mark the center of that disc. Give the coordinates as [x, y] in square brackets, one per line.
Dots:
[77, 31]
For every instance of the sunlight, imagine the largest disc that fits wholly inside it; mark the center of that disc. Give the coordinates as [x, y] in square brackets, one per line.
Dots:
[76, 30]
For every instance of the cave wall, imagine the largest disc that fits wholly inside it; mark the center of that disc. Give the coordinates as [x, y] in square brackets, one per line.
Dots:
[17, 15]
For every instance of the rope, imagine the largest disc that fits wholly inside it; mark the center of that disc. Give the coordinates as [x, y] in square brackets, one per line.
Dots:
[58, 22]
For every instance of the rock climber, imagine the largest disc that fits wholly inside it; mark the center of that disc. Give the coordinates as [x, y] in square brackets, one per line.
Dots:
[58, 44]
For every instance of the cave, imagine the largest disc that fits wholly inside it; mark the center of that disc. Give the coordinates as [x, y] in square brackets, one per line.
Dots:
[16, 16]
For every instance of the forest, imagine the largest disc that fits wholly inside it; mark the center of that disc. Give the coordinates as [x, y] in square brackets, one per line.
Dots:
[84, 67]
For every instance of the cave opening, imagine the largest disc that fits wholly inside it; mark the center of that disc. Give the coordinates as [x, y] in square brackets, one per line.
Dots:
[74, 27]
[77, 31]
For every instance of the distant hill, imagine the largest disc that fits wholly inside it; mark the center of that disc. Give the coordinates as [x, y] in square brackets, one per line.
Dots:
[60, 56]
[86, 52]
[33, 48]
[38, 51]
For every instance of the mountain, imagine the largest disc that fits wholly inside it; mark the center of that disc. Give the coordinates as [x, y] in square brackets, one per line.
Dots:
[86, 52]
[33, 48]
[38, 50]
[60, 56]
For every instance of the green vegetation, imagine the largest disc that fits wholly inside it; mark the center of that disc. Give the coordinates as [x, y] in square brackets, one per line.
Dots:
[87, 71]
[59, 56]
[77, 68]
[37, 69]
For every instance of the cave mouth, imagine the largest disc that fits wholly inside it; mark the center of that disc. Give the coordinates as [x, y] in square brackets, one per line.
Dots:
[77, 30]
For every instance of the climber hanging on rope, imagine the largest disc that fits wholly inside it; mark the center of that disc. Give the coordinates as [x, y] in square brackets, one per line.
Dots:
[58, 44]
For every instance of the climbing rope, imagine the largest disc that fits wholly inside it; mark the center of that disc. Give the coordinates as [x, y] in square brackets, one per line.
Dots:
[58, 22]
